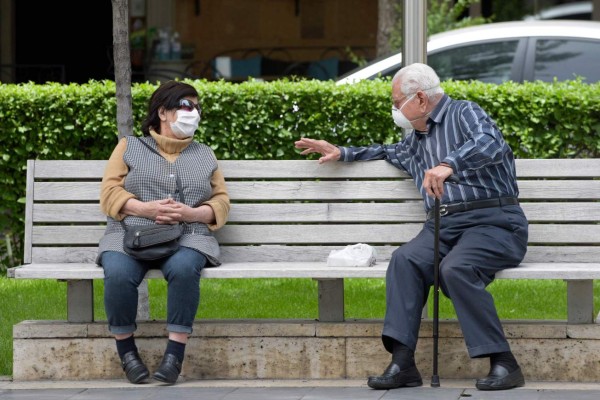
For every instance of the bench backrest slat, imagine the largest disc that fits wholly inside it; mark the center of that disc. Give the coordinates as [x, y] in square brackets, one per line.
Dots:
[269, 190]
[254, 234]
[526, 168]
[327, 212]
[558, 168]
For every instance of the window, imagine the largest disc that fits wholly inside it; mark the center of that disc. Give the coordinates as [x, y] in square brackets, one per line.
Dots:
[566, 58]
[488, 62]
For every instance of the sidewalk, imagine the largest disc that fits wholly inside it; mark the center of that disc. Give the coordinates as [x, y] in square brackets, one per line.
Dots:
[285, 390]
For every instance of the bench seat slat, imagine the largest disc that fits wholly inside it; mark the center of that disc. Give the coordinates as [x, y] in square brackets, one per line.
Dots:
[317, 270]
[285, 253]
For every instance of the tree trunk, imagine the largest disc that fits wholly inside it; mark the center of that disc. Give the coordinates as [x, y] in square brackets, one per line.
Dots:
[388, 16]
[122, 60]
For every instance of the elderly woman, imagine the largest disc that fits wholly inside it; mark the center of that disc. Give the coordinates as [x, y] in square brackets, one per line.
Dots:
[162, 178]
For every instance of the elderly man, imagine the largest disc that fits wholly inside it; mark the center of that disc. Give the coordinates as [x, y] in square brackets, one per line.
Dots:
[483, 229]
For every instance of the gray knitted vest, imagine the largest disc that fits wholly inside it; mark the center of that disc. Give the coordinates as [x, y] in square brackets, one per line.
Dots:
[151, 177]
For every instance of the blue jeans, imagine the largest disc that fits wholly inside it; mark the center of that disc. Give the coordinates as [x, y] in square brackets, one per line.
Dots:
[123, 274]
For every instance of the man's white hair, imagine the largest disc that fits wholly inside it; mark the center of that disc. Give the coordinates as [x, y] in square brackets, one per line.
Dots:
[417, 77]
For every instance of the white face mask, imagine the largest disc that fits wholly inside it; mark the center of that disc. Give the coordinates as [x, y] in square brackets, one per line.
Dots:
[399, 118]
[186, 124]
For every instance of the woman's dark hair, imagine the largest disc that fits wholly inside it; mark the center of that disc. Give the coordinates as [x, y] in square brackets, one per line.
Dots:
[167, 95]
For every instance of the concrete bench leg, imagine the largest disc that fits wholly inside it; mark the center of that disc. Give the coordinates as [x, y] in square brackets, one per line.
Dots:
[580, 302]
[80, 301]
[331, 300]
[143, 310]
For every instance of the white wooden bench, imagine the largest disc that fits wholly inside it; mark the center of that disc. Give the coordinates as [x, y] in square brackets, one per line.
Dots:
[287, 216]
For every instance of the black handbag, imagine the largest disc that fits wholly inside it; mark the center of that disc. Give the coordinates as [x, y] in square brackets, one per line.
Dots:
[152, 242]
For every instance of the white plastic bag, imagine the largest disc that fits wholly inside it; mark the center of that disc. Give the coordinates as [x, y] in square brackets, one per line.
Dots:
[354, 255]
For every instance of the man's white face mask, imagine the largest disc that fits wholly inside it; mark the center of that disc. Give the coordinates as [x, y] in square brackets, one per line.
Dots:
[186, 124]
[399, 118]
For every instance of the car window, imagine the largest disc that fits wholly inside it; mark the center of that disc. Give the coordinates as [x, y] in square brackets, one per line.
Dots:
[488, 62]
[566, 58]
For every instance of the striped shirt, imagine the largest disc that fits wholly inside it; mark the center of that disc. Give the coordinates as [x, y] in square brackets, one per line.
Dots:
[461, 135]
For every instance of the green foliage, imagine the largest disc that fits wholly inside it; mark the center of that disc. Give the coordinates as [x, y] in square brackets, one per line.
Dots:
[541, 120]
[511, 10]
[24, 299]
[445, 15]
[442, 16]
[261, 120]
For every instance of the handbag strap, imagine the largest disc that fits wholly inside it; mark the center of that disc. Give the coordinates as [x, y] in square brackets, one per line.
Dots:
[179, 185]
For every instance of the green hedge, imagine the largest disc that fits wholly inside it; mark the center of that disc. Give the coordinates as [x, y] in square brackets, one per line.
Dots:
[258, 120]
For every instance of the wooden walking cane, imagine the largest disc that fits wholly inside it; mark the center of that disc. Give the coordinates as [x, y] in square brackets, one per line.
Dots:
[435, 379]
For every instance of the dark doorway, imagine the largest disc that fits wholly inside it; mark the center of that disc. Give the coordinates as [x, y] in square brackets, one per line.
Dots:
[64, 41]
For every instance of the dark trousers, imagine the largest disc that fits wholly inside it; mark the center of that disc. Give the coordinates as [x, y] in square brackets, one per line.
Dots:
[474, 245]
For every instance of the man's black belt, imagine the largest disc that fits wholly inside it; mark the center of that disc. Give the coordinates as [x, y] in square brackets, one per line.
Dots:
[447, 209]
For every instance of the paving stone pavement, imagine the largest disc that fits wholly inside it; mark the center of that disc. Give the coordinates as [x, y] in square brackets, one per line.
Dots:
[285, 390]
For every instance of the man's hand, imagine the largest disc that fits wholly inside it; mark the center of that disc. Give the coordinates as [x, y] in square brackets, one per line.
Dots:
[434, 180]
[328, 151]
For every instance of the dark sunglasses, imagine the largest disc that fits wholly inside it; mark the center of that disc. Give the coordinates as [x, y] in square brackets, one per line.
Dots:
[188, 105]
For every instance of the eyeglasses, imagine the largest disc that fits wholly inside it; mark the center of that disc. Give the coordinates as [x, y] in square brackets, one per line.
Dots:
[398, 104]
[188, 105]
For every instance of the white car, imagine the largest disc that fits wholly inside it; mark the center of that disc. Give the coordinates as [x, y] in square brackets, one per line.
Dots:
[498, 52]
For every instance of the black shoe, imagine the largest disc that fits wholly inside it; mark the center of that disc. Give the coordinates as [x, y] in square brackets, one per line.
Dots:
[134, 367]
[169, 369]
[393, 377]
[500, 379]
